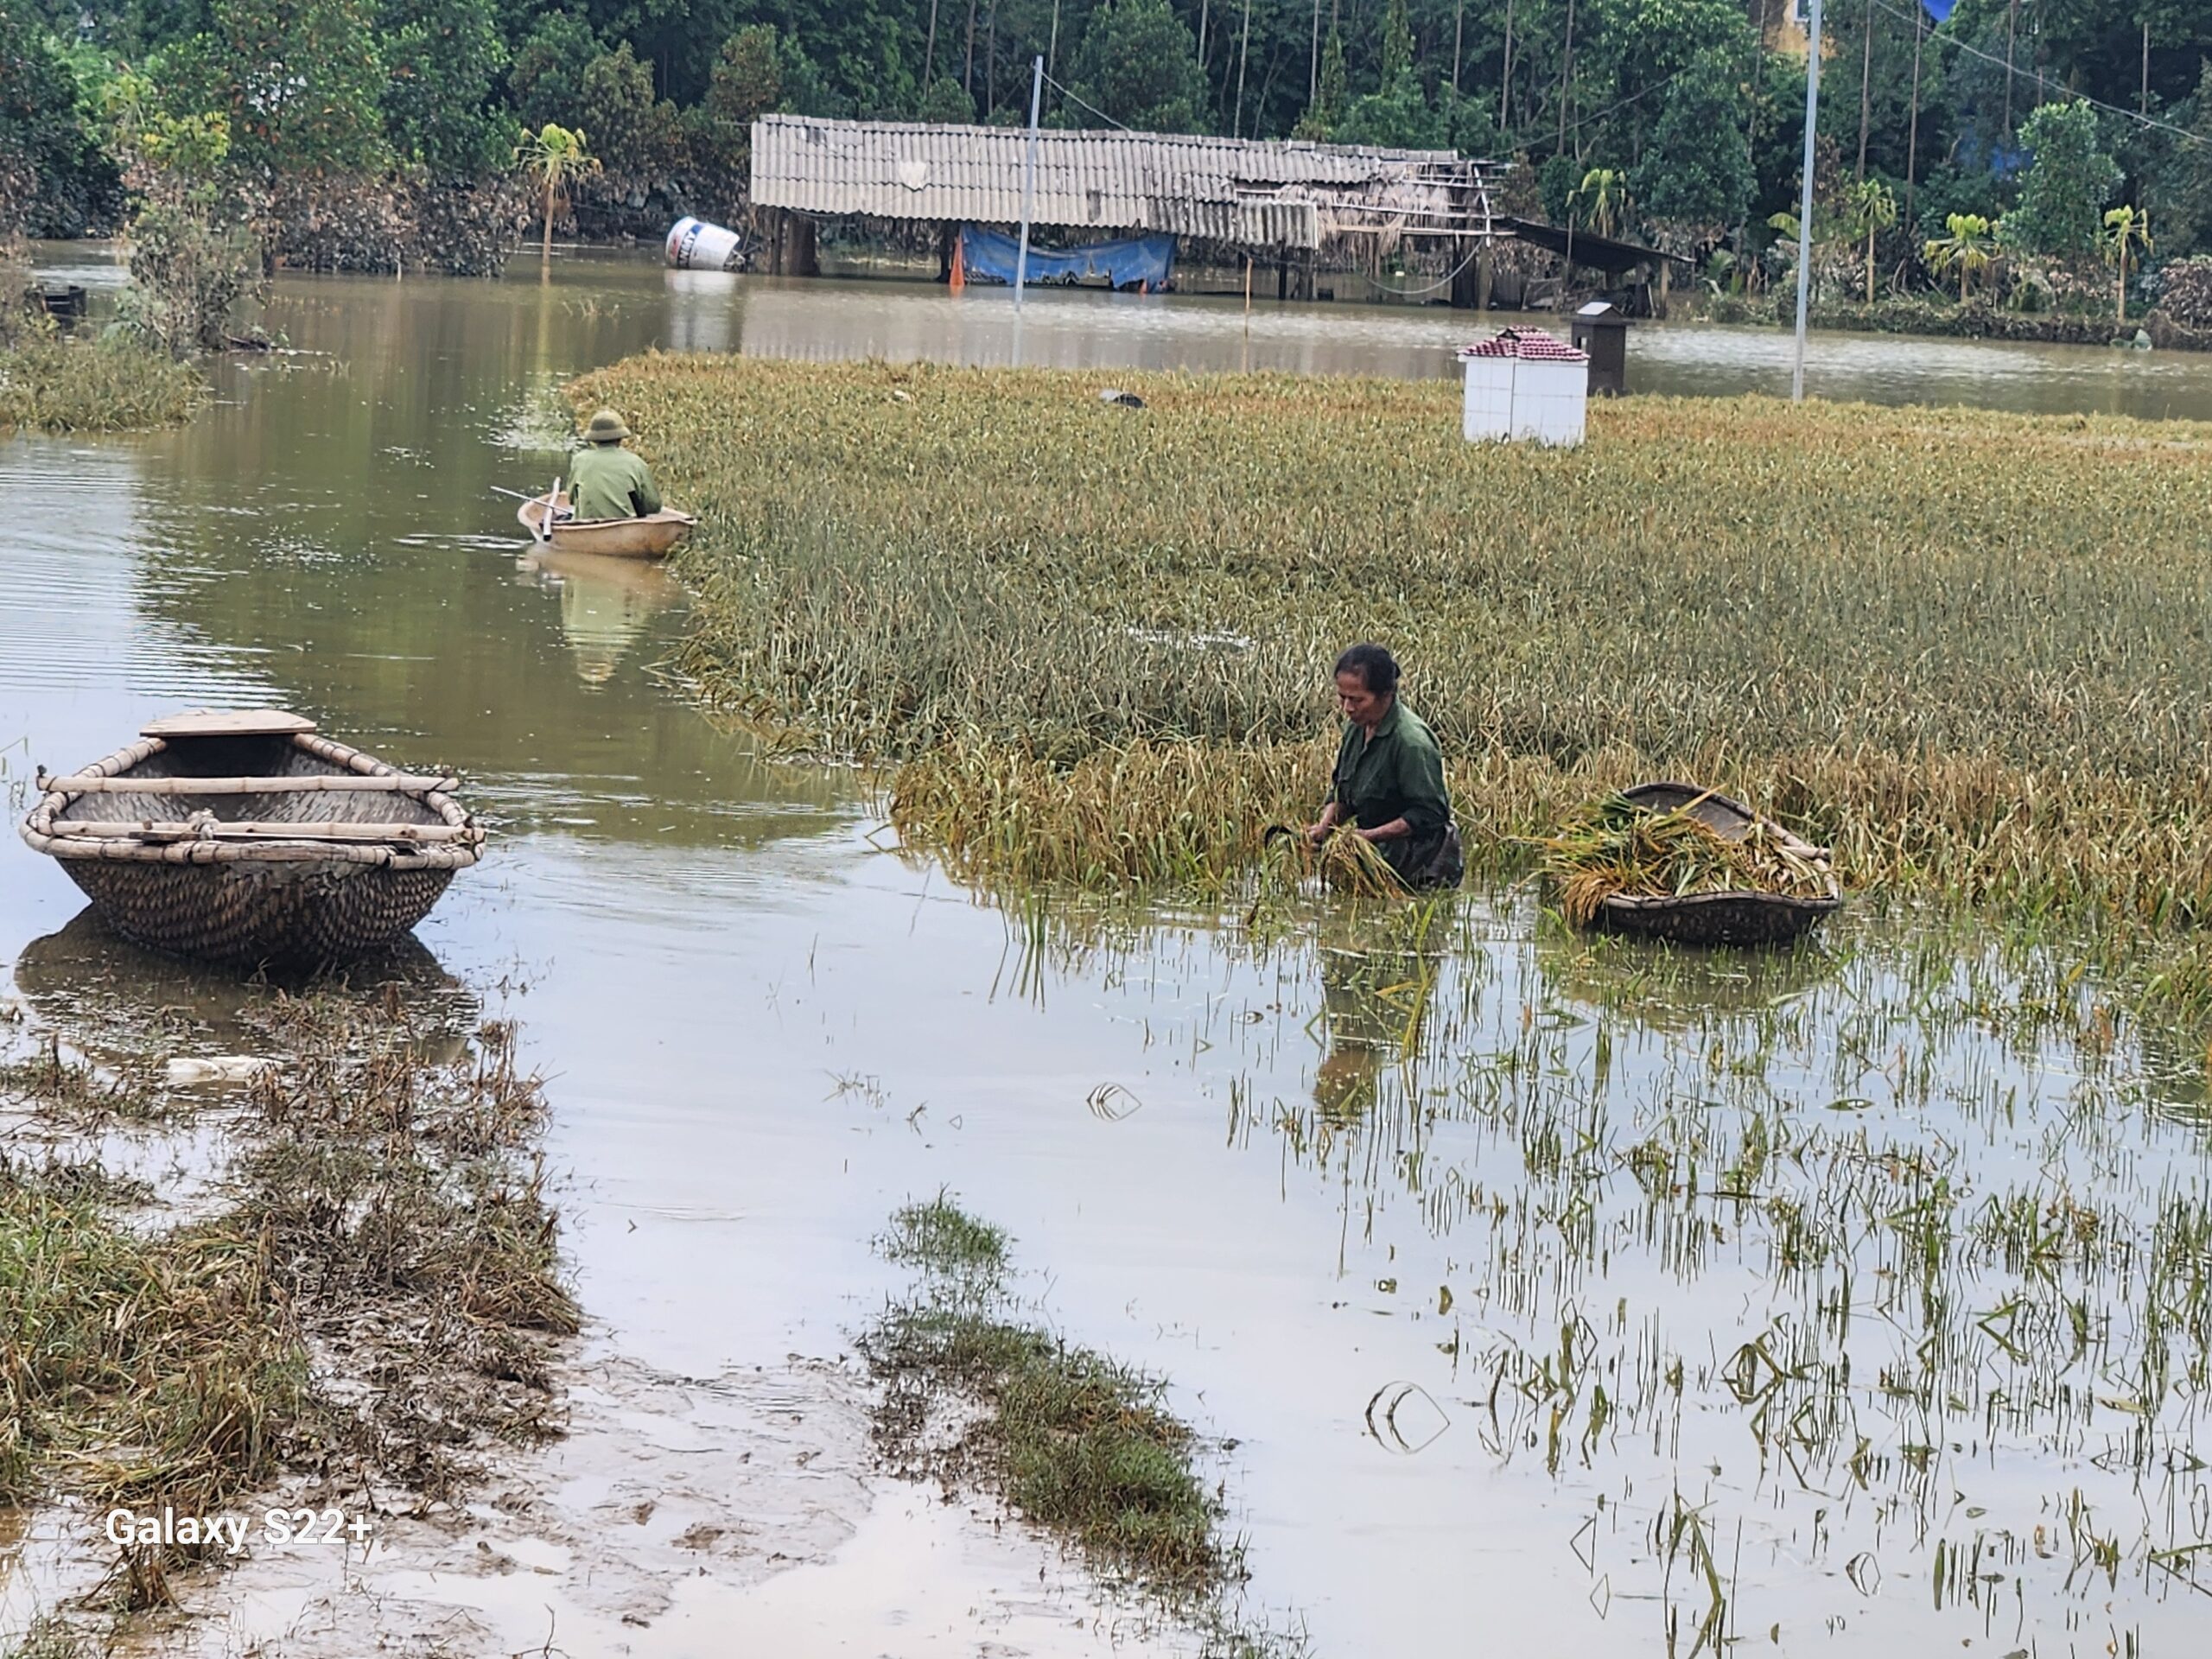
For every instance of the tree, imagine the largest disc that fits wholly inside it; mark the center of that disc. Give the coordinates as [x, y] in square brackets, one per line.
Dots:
[1869, 208]
[1139, 66]
[299, 82]
[1397, 114]
[443, 59]
[637, 140]
[1696, 180]
[2065, 191]
[54, 179]
[193, 254]
[1967, 250]
[555, 157]
[547, 81]
[1318, 124]
[945, 101]
[2127, 232]
[746, 83]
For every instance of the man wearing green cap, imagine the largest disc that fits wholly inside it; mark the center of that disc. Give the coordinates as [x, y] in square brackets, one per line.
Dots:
[605, 479]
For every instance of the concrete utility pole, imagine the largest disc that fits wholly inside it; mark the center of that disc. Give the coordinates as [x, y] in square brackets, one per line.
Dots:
[1805, 199]
[1028, 178]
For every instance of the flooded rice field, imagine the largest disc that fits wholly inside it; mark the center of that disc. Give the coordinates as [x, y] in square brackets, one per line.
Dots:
[1535, 1294]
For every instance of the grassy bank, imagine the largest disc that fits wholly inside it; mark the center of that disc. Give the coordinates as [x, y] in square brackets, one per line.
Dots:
[369, 1303]
[1967, 648]
[56, 382]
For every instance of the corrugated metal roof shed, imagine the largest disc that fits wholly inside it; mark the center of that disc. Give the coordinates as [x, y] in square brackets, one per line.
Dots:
[1264, 194]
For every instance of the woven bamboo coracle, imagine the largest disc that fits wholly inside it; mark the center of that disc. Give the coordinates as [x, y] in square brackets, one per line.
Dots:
[248, 840]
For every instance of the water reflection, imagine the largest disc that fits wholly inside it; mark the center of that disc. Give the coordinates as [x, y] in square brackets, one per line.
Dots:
[111, 999]
[605, 604]
[1676, 989]
[1372, 1002]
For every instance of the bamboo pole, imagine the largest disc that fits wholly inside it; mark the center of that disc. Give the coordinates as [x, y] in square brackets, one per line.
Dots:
[379, 783]
[258, 829]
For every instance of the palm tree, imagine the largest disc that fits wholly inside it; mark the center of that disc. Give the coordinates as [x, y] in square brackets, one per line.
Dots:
[555, 156]
[1604, 190]
[1869, 208]
[1966, 250]
[2127, 232]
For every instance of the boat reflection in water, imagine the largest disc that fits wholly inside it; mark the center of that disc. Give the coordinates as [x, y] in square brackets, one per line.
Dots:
[605, 604]
[107, 997]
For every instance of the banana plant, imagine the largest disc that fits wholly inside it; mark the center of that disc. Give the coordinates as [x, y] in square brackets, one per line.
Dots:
[1604, 193]
[2127, 232]
[1967, 250]
[1869, 207]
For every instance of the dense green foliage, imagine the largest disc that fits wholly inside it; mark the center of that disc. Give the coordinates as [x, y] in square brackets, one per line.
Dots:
[1692, 104]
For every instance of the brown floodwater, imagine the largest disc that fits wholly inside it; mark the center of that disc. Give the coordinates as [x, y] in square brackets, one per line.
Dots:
[763, 1031]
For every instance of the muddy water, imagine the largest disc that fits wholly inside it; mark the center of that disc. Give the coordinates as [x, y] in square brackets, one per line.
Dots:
[763, 1032]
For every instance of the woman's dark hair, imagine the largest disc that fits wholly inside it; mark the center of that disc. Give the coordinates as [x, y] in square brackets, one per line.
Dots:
[1376, 668]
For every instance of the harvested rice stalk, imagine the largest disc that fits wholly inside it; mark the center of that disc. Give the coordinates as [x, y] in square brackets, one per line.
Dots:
[1612, 845]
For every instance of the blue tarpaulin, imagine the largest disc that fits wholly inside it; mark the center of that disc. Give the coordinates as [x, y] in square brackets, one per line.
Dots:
[1939, 9]
[989, 257]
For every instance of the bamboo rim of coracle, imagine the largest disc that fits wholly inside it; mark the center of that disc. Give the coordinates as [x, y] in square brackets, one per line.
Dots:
[455, 842]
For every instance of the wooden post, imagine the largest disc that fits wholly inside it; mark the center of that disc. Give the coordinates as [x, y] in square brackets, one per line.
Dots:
[1248, 284]
[802, 261]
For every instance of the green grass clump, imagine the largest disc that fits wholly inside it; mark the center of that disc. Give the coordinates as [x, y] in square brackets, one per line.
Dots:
[56, 382]
[1963, 648]
[944, 1238]
[1072, 1438]
[49, 1638]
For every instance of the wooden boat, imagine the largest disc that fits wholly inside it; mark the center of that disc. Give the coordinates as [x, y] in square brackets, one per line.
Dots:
[1743, 917]
[649, 537]
[246, 839]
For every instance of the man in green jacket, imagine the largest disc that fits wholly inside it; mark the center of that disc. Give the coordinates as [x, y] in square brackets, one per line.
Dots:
[605, 479]
[1388, 783]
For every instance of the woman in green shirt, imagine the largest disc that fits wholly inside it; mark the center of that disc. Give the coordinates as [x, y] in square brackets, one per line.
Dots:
[1388, 783]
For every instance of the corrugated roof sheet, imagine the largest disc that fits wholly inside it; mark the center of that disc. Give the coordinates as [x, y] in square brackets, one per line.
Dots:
[1262, 194]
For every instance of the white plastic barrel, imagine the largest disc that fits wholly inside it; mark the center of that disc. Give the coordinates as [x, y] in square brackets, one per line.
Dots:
[694, 244]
